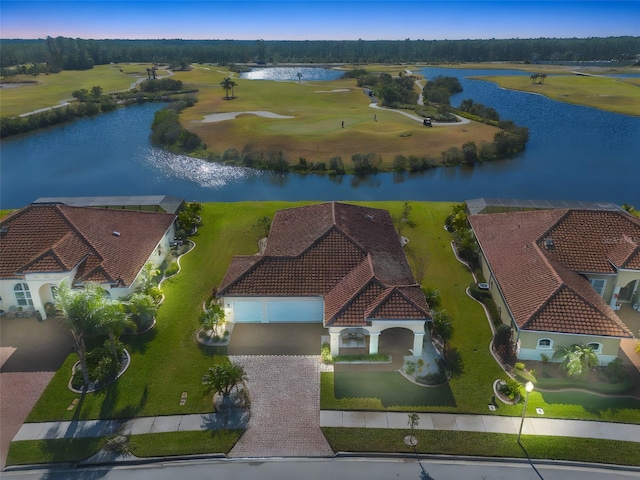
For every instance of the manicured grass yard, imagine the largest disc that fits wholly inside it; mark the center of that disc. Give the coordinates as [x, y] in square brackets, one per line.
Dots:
[482, 444]
[149, 445]
[168, 360]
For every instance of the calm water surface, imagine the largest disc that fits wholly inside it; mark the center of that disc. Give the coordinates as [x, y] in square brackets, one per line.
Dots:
[575, 153]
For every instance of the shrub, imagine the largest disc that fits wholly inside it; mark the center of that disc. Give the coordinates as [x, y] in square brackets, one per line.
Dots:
[436, 378]
[511, 388]
[325, 353]
[410, 368]
[172, 269]
[519, 366]
[101, 365]
[544, 358]
[615, 372]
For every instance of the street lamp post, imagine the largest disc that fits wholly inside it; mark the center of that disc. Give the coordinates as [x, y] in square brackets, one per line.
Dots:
[529, 388]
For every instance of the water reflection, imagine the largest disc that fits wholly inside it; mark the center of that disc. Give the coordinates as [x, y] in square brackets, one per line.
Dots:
[202, 173]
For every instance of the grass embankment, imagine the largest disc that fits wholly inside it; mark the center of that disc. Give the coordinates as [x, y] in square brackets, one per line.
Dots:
[619, 95]
[484, 444]
[315, 132]
[149, 445]
[45, 91]
[168, 360]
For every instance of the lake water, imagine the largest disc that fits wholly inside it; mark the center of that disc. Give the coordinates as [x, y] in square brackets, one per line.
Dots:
[574, 153]
[291, 73]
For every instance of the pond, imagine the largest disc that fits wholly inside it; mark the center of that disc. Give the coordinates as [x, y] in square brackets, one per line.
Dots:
[291, 73]
[574, 153]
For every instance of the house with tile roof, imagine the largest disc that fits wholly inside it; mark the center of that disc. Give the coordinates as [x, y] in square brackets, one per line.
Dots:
[335, 263]
[558, 276]
[43, 244]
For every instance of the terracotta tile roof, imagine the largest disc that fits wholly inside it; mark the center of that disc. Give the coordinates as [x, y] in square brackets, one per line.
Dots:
[59, 238]
[591, 240]
[347, 253]
[542, 292]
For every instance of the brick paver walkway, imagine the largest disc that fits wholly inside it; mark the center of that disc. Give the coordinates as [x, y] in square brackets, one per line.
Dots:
[285, 407]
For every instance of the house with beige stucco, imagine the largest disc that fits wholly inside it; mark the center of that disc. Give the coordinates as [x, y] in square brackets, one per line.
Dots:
[332, 263]
[559, 276]
[43, 244]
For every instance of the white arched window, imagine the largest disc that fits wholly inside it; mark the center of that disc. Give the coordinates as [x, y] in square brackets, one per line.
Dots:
[23, 295]
[545, 344]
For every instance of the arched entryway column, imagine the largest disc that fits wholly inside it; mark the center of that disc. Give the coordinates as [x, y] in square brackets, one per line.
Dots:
[416, 326]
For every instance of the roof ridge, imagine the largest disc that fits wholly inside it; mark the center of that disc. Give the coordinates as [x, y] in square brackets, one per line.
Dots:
[50, 251]
[349, 301]
[73, 226]
[566, 213]
[547, 263]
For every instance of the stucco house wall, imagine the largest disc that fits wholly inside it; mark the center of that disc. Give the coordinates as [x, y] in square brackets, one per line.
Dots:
[528, 346]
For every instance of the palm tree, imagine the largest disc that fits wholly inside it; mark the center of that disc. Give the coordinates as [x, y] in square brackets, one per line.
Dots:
[78, 310]
[213, 319]
[113, 320]
[577, 359]
[223, 378]
[141, 308]
[233, 84]
[226, 84]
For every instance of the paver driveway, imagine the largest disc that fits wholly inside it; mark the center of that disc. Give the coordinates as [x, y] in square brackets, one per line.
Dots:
[285, 407]
[31, 352]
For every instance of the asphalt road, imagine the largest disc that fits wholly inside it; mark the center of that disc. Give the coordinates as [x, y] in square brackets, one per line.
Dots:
[342, 468]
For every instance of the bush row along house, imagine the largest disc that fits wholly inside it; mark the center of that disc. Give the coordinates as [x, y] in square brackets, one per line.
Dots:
[559, 276]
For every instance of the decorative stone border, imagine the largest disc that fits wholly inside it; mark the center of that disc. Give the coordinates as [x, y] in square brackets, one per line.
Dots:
[95, 387]
[496, 389]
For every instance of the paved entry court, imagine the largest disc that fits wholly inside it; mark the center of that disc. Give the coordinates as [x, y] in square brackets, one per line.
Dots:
[285, 407]
[276, 339]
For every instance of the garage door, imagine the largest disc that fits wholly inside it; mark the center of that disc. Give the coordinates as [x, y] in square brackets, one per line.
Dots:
[279, 311]
[292, 311]
[247, 312]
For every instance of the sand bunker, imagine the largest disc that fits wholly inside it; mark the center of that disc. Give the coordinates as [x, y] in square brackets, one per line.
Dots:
[337, 90]
[219, 117]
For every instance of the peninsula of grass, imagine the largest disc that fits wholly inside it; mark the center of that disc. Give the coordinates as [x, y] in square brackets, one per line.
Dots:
[619, 95]
[44, 91]
[314, 132]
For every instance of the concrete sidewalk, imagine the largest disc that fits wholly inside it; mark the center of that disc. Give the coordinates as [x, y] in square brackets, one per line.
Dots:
[483, 423]
[134, 426]
[337, 418]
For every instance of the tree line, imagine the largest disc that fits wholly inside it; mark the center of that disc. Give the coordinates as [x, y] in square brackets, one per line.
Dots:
[61, 53]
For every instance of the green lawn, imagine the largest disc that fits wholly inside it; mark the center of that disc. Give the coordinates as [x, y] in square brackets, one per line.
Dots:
[484, 444]
[168, 360]
[49, 90]
[148, 445]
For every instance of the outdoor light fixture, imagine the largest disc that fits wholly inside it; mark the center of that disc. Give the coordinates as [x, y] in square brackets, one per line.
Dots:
[529, 388]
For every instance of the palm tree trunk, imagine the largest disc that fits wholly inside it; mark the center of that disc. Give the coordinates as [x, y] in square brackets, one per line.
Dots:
[81, 349]
[112, 339]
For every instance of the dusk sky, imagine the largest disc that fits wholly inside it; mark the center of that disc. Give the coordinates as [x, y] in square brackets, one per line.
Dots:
[318, 20]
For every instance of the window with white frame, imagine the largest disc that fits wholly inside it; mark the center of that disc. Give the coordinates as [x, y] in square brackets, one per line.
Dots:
[595, 346]
[545, 344]
[23, 295]
[599, 285]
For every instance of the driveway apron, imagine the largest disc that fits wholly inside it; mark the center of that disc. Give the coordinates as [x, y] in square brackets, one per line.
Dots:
[285, 407]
